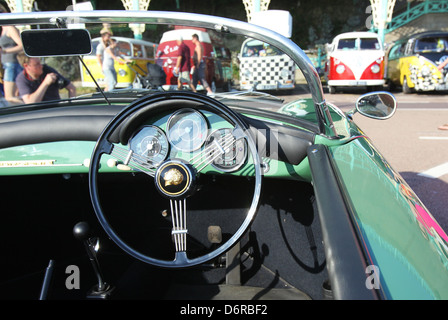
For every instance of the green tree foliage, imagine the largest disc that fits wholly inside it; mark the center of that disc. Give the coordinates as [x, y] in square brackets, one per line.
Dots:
[314, 22]
[66, 66]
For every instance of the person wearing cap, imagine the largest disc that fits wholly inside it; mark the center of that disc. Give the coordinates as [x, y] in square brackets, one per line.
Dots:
[183, 64]
[105, 33]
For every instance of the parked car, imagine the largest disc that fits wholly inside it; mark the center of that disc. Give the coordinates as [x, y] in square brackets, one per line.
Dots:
[412, 62]
[139, 52]
[153, 194]
[217, 57]
[355, 59]
[263, 67]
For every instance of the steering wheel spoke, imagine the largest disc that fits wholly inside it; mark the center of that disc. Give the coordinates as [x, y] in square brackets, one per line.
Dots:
[133, 160]
[179, 219]
[214, 150]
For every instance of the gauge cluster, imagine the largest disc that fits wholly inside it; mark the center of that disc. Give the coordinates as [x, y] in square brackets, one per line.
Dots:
[235, 151]
[150, 143]
[187, 132]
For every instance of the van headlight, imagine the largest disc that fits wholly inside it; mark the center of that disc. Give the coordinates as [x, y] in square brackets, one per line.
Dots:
[425, 71]
[375, 68]
[121, 72]
[247, 74]
[340, 69]
[284, 74]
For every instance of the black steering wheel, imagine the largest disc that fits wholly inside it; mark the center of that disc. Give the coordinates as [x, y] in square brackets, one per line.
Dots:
[175, 179]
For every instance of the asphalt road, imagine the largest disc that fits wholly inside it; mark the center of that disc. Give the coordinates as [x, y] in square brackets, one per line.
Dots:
[412, 144]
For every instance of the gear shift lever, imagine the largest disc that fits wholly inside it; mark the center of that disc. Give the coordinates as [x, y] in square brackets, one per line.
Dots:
[83, 233]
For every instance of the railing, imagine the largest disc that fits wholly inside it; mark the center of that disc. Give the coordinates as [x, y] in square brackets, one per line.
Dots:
[317, 57]
[428, 6]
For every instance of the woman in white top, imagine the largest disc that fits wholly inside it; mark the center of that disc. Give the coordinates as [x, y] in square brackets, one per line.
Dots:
[109, 58]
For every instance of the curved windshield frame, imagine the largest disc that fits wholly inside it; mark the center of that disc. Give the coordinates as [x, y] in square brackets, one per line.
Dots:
[223, 26]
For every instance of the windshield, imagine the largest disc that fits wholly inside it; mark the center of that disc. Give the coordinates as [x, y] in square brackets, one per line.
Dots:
[126, 58]
[256, 48]
[359, 44]
[432, 44]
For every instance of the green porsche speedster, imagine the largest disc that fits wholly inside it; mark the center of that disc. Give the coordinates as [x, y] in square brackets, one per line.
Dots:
[152, 193]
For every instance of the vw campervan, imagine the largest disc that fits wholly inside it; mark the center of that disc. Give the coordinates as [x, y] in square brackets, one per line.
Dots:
[355, 59]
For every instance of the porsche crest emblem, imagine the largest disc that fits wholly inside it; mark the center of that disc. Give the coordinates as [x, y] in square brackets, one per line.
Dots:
[173, 177]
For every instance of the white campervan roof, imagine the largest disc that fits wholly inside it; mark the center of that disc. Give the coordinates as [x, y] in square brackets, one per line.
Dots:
[186, 35]
[357, 35]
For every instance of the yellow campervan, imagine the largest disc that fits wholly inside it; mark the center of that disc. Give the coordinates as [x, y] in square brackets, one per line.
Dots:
[141, 52]
[413, 63]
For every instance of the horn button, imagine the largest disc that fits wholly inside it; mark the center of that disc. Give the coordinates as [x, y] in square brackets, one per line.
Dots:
[175, 179]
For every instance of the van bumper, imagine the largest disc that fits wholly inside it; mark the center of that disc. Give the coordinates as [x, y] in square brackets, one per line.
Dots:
[262, 86]
[354, 83]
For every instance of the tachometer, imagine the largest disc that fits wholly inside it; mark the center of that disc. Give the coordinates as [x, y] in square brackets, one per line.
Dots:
[232, 152]
[187, 130]
[151, 144]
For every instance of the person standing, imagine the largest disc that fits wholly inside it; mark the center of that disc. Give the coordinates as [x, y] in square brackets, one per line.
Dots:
[10, 46]
[106, 34]
[183, 64]
[110, 56]
[199, 64]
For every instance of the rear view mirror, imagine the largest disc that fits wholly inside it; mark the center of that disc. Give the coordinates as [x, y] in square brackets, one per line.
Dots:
[56, 42]
[377, 105]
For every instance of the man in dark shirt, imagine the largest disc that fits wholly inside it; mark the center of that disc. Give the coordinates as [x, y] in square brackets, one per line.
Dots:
[40, 82]
[183, 64]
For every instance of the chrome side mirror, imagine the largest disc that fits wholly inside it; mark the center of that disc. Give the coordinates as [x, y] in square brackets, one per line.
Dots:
[379, 105]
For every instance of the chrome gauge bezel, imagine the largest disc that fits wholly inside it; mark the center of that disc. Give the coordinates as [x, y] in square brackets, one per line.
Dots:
[172, 129]
[242, 159]
[154, 133]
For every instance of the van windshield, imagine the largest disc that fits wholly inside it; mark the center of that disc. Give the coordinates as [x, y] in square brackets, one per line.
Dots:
[433, 44]
[255, 48]
[347, 44]
[370, 44]
[358, 44]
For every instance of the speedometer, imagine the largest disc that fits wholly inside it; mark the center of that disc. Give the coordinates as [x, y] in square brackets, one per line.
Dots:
[232, 152]
[151, 144]
[187, 130]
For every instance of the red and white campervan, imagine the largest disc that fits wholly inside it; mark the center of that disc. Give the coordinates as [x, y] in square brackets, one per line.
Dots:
[355, 59]
[216, 56]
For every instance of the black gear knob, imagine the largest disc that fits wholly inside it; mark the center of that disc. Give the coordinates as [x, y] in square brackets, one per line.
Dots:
[82, 232]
